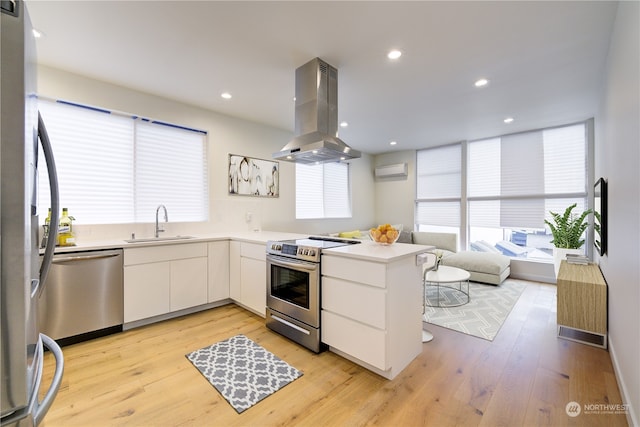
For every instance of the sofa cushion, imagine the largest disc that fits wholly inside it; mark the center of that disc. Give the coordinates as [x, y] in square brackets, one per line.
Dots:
[481, 262]
[447, 241]
[405, 237]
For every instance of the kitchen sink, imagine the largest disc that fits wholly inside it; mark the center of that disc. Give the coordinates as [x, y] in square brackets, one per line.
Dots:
[159, 239]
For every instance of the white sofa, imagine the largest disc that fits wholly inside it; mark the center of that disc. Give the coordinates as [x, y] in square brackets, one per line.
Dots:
[486, 267]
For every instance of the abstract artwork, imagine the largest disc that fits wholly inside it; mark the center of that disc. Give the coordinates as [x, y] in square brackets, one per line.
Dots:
[253, 177]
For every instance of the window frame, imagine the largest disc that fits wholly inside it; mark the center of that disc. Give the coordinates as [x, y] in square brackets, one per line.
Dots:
[466, 199]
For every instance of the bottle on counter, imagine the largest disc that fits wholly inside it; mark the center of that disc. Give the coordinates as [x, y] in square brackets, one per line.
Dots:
[45, 230]
[65, 229]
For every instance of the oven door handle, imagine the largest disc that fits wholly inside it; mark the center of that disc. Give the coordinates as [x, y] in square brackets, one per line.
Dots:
[284, 262]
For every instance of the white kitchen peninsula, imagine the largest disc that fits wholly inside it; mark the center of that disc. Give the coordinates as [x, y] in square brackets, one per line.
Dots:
[372, 304]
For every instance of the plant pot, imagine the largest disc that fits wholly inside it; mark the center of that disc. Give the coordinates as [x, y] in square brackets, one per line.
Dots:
[560, 254]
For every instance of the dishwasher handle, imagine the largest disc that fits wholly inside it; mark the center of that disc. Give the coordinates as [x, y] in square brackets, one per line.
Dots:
[58, 260]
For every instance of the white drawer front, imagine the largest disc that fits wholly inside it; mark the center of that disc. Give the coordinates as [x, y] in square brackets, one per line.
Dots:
[160, 253]
[356, 339]
[252, 250]
[363, 303]
[371, 273]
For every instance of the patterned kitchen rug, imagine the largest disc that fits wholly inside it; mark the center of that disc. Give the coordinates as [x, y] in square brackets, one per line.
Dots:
[242, 371]
[483, 316]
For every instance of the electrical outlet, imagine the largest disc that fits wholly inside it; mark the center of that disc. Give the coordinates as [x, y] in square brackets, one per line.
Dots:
[248, 217]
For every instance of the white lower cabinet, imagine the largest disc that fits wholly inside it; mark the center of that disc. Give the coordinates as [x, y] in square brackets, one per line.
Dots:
[371, 311]
[188, 283]
[162, 279]
[356, 339]
[147, 290]
[218, 271]
[253, 288]
[248, 275]
[234, 270]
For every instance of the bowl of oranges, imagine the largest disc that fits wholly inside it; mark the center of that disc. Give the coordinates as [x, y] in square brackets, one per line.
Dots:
[384, 234]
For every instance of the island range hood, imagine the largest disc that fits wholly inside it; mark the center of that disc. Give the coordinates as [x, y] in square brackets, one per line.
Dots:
[316, 118]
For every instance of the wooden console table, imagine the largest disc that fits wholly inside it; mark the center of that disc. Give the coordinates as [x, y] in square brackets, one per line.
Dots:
[582, 304]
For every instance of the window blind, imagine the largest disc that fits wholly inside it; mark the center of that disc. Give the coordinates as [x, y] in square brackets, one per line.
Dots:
[93, 152]
[323, 191]
[113, 169]
[523, 173]
[445, 214]
[438, 186]
[170, 169]
[439, 172]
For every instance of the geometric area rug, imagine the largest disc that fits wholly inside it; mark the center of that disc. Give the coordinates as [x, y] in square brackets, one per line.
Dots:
[483, 316]
[242, 371]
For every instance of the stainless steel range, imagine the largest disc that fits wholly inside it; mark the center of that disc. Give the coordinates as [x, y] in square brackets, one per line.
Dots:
[293, 287]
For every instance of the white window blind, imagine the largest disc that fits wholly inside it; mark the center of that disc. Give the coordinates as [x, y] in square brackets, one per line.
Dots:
[445, 214]
[93, 151]
[439, 172]
[114, 170]
[323, 191]
[438, 186]
[512, 180]
[170, 169]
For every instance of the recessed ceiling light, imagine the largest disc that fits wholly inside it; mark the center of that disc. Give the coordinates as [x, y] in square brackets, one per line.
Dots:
[508, 120]
[36, 33]
[393, 143]
[394, 54]
[344, 124]
[226, 95]
[481, 82]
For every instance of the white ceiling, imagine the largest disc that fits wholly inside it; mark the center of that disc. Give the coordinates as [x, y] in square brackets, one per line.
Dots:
[545, 60]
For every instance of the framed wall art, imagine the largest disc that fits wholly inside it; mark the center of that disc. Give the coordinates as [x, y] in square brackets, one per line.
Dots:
[253, 177]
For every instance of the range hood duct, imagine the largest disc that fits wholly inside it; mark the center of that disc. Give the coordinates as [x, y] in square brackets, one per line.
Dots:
[316, 118]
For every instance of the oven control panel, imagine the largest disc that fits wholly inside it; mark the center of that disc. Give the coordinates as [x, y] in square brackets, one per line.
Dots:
[294, 251]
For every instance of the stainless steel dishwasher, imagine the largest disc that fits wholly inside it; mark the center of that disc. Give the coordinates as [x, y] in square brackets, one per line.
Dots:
[83, 296]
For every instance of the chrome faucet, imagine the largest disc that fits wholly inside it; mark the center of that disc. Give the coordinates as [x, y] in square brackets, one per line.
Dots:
[166, 219]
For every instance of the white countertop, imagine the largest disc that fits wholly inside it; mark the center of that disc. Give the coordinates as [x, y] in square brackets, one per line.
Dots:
[371, 251]
[367, 250]
[259, 237]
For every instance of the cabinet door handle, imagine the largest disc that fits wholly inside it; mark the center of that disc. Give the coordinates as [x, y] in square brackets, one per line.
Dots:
[284, 262]
[290, 324]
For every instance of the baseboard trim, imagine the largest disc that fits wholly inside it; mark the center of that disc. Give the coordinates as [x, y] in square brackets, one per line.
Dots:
[632, 418]
[532, 278]
[174, 314]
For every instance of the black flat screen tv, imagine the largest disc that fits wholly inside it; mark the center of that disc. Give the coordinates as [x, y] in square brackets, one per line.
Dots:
[600, 216]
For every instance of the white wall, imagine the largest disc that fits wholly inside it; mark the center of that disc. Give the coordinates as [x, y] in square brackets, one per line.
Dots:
[395, 196]
[227, 135]
[617, 160]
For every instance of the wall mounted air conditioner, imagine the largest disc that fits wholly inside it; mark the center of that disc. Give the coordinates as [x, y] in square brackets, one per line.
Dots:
[387, 171]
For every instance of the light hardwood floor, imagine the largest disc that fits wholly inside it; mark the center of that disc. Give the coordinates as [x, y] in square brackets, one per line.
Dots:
[525, 377]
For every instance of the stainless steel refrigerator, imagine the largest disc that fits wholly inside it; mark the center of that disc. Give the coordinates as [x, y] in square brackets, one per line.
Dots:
[22, 132]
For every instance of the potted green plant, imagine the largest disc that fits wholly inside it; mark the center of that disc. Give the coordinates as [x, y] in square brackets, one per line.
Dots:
[568, 233]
